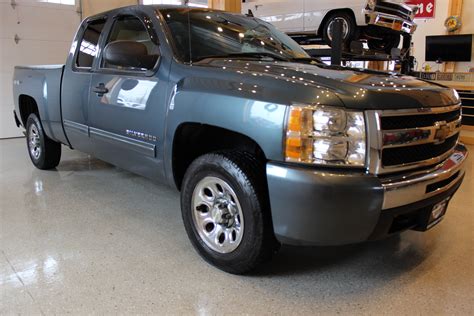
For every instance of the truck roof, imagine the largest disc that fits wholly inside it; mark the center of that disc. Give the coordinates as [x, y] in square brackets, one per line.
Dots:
[154, 6]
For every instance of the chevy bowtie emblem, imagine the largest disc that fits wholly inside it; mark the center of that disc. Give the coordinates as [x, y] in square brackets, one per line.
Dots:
[442, 131]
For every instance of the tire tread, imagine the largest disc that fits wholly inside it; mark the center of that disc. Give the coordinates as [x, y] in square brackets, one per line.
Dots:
[51, 153]
[252, 175]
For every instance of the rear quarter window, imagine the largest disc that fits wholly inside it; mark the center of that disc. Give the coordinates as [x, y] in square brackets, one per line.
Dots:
[89, 44]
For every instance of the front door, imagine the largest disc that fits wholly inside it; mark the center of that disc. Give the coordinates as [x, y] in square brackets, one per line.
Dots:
[127, 103]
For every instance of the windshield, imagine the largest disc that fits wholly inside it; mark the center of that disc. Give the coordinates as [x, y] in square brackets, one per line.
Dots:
[199, 34]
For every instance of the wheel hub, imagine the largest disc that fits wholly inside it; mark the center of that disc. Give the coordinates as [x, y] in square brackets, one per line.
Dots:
[217, 215]
[221, 212]
[345, 28]
[34, 142]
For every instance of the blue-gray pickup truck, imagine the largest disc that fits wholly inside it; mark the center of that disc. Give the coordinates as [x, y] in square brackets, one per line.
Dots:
[266, 145]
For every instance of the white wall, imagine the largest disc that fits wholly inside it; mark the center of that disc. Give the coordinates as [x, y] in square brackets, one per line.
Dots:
[467, 28]
[436, 27]
[429, 27]
[45, 31]
[92, 7]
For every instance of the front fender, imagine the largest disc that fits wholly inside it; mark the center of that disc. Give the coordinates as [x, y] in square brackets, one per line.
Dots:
[261, 121]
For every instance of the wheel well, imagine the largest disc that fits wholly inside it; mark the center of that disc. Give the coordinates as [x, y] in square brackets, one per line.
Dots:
[192, 140]
[328, 15]
[27, 106]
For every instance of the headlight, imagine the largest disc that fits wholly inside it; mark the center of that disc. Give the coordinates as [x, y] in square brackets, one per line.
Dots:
[325, 135]
[456, 96]
[371, 4]
[329, 120]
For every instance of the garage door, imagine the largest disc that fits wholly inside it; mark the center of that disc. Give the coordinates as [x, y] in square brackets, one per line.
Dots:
[44, 31]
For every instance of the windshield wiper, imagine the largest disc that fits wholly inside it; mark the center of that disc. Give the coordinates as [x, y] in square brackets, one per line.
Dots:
[307, 59]
[249, 54]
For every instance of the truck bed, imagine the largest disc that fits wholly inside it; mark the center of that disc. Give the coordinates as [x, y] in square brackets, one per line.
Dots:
[43, 84]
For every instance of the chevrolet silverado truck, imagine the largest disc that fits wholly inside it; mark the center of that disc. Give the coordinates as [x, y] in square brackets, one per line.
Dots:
[266, 145]
[380, 22]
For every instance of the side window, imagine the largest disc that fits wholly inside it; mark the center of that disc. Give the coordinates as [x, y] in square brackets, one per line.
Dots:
[132, 48]
[88, 47]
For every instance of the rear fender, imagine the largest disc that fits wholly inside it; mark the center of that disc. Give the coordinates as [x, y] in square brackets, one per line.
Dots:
[42, 85]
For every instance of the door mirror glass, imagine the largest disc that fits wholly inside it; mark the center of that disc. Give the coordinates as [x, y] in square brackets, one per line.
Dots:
[128, 54]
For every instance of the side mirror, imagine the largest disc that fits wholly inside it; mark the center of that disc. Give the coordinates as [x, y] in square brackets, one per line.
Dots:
[129, 54]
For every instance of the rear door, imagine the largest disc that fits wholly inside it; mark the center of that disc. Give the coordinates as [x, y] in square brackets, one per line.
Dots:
[128, 105]
[76, 82]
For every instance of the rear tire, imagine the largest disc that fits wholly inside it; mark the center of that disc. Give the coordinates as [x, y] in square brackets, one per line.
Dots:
[44, 152]
[226, 213]
[348, 28]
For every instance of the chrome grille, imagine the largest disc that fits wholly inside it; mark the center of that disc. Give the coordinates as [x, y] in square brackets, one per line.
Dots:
[411, 138]
[395, 9]
[411, 154]
[467, 100]
[411, 121]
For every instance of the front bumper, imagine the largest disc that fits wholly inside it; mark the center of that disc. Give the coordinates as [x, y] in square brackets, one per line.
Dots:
[318, 207]
[391, 22]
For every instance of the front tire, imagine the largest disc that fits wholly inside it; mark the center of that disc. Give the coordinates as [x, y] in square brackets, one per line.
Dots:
[44, 152]
[226, 212]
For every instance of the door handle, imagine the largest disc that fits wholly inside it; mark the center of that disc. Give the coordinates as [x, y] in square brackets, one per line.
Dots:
[100, 89]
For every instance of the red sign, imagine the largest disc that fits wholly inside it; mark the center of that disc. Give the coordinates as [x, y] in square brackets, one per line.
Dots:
[426, 8]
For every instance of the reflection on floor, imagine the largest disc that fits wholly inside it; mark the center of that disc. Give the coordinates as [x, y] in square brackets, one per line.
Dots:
[91, 238]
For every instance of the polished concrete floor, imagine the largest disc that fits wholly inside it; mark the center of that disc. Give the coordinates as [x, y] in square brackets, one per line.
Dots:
[91, 238]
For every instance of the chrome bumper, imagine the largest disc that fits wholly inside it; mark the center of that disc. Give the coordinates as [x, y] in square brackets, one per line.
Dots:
[407, 189]
[392, 22]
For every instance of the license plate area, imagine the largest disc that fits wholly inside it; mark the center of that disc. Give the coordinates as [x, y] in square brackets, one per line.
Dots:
[437, 213]
[433, 215]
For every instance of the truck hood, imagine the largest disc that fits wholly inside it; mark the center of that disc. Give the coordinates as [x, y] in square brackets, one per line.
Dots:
[358, 89]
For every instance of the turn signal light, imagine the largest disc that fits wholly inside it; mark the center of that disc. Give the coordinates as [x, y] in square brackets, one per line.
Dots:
[299, 146]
